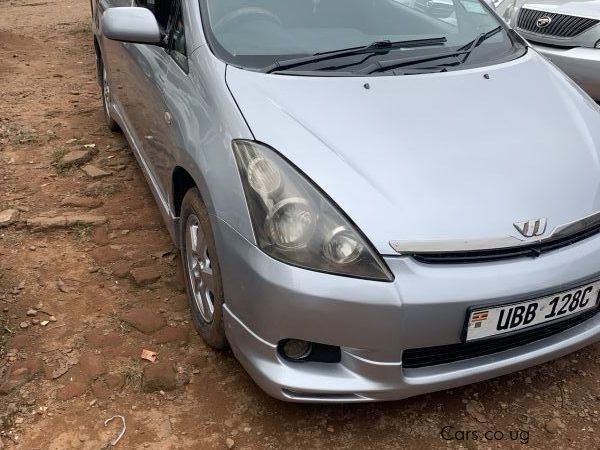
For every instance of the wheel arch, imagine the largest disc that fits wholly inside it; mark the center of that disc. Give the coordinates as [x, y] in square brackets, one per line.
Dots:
[99, 60]
[181, 182]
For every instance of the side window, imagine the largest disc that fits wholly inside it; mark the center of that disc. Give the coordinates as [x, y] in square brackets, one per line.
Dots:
[177, 40]
[149, 4]
[162, 10]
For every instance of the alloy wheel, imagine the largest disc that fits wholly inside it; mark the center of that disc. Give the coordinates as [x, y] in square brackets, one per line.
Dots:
[106, 93]
[199, 269]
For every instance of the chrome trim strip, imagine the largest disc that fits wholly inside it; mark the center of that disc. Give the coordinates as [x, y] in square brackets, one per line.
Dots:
[548, 37]
[494, 243]
[576, 226]
[457, 245]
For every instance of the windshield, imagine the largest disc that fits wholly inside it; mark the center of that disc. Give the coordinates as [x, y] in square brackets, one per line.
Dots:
[263, 34]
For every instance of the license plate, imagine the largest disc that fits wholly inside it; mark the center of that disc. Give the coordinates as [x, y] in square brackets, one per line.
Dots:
[498, 320]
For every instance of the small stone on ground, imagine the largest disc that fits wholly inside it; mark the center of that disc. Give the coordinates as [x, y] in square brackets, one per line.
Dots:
[145, 275]
[76, 158]
[159, 377]
[95, 172]
[8, 217]
[144, 320]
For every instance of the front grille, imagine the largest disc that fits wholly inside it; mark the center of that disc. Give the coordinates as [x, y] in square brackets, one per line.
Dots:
[561, 25]
[443, 354]
[532, 250]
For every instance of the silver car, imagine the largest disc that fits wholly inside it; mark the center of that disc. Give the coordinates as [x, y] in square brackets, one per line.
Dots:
[372, 200]
[565, 31]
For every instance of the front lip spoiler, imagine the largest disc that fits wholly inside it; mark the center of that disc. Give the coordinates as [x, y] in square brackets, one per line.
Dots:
[494, 243]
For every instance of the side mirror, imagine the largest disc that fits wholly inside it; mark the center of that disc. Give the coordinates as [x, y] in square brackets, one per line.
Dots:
[131, 24]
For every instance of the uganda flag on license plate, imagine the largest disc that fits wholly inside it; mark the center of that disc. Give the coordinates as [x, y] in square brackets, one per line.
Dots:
[479, 317]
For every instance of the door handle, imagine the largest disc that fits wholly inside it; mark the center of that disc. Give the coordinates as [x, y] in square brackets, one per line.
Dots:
[168, 118]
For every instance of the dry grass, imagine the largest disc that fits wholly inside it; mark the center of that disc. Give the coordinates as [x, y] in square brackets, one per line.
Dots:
[81, 231]
[25, 137]
[132, 372]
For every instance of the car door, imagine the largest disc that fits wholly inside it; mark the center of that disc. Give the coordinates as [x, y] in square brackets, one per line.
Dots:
[113, 54]
[180, 98]
[146, 68]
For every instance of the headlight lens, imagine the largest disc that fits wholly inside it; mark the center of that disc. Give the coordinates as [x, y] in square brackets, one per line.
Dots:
[343, 247]
[297, 224]
[291, 223]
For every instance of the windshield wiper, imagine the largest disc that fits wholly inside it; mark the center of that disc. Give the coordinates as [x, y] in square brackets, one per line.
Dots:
[374, 48]
[465, 51]
[380, 66]
[470, 46]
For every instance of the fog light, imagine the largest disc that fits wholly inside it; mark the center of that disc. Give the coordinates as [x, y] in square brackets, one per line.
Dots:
[296, 349]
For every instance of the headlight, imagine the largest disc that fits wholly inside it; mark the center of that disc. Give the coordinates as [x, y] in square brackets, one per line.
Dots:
[510, 13]
[297, 224]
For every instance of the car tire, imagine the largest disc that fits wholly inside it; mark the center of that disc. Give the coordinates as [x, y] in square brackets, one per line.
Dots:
[106, 98]
[201, 271]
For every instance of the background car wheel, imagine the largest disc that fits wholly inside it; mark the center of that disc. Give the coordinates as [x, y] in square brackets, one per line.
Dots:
[201, 271]
[106, 99]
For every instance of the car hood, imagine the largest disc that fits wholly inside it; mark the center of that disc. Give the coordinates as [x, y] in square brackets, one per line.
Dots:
[583, 8]
[451, 156]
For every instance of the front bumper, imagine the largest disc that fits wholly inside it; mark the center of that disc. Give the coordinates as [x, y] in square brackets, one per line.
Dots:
[580, 63]
[373, 322]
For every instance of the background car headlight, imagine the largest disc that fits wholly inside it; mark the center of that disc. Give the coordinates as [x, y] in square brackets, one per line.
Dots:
[296, 223]
[510, 12]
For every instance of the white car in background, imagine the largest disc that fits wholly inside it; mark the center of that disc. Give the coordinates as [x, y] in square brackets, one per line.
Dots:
[566, 32]
[444, 10]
